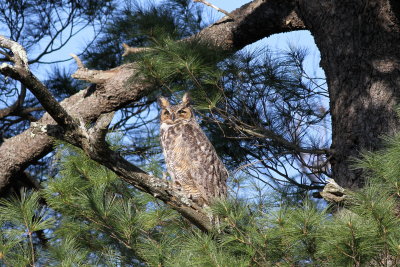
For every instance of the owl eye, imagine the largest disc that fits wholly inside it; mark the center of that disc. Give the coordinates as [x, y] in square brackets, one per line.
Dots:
[181, 111]
[166, 112]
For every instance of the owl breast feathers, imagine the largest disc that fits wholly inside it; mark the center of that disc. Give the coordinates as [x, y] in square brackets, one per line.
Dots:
[191, 160]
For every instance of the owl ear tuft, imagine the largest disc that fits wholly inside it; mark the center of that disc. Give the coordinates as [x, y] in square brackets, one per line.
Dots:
[186, 99]
[163, 102]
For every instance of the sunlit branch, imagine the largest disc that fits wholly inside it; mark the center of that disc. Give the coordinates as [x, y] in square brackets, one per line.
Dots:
[215, 7]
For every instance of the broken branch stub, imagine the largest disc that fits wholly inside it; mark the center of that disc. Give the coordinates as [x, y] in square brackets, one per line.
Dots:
[133, 50]
[333, 192]
[92, 76]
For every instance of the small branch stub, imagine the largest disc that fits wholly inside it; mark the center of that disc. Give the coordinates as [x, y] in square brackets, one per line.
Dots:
[133, 50]
[78, 61]
[333, 192]
[99, 131]
[20, 71]
[92, 76]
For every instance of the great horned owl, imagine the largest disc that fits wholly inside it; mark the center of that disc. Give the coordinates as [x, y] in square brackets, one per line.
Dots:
[191, 160]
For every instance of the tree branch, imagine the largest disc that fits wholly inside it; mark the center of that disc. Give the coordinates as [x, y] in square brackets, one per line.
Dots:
[215, 7]
[92, 76]
[16, 106]
[253, 21]
[92, 141]
[20, 72]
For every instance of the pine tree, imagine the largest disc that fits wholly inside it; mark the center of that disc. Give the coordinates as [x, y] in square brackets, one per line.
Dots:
[93, 218]
[258, 110]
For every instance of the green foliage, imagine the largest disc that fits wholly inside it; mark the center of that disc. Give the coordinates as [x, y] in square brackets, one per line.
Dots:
[20, 218]
[87, 216]
[384, 166]
[184, 66]
[252, 104]
[139, 25]
[95, 219]
[350, 241]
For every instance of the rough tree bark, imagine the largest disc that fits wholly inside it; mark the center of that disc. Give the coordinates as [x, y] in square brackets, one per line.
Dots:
[359, 43]
[360, 47]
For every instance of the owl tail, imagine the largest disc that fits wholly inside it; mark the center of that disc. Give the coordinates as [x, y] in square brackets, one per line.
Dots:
[193, 193]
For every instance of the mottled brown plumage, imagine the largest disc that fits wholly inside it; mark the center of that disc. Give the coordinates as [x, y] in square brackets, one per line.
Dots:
[191, 160]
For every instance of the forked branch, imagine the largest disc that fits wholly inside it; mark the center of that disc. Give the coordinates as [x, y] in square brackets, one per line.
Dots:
[20, 72]
[92, 76]
[92, 140]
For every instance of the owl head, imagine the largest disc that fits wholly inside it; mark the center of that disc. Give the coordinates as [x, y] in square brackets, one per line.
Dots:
[173, 114]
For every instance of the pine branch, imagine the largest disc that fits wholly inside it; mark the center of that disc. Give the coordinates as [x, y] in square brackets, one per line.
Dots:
[93, 143]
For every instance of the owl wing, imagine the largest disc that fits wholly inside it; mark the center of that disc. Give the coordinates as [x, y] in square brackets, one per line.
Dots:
[192, 161]
[206, 171]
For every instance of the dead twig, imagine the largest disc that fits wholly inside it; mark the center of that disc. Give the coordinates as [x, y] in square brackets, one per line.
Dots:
[215, 7]
[133, 50]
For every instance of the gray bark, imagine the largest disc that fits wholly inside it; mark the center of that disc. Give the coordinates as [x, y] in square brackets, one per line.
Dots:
[359, 43]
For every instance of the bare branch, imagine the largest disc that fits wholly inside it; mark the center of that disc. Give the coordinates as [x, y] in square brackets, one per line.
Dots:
[93, 143]
[20, 72]
[264, 133]
[92, 76]
[100, 129]
[78, 61]
[19, 58]
[133, 50]
[16, 106]
[215, 7]
[267, 18]
[253, 21]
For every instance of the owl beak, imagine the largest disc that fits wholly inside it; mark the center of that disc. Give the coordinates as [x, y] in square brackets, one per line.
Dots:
[172, 116]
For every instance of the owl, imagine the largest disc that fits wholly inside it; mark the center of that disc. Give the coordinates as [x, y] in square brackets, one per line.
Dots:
[191, 159]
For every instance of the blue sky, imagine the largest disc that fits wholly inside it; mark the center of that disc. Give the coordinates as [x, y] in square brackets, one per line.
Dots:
[279, 42]
[276, 42]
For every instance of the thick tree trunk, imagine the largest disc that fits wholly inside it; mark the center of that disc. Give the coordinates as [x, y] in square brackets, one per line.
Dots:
[359, 43]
